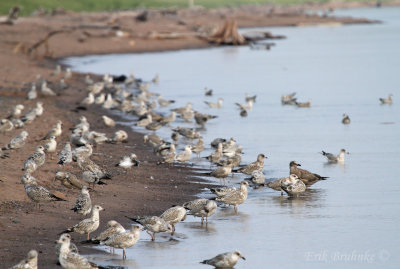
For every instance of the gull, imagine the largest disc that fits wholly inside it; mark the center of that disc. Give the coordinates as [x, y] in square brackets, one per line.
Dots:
[18, 124]
[235, 198]
[127, 162]
[92, 177]
[332, 158]
[62, 85]
[257, 165]
[29, 116]
[163, 102]
[68, 73]
[100, 99]
[165, 148]
[388, 100]
[153, 225]
[154, 126]
[247, 106]
[119, 136]
[69, 180]
[88, 100]
[72, 247]
[201, 118]
[225, 260]
[88, 165]
[29, 263]
[109, 122]
[174, 215]
[288, 99]
[198, 147]
[51, 145]
[108, 103]
[16, 111]
[3, 155]
[32, 94]
[55, 131]
[203, 208]
[293, 186]
[89, 225]
[170, 118]
[187, 132]
[250, 98]
[218, 104]
[96, 88]
[46, 91]
[276, 184]
[35, 160]
[65, 155]
[17, 142]
[36, 193]
[96, 138]
[222, 191]
[222, 172]
[168, 155]
[208, 92]
[144, 122]
[6, 126]
[153, 139]
[39, 109]
[346, 119]
[307, 177]
[69, 259]
[82, 126]
[83, 204]
[184, 155]
[175, 136]
[233, 161]
[186, 108]
[216, 155]
[156, 79]
[88, 80]
[124, 240]
[257, 177]
[113, 228]
[306, 104]
[187, 116]
[57, 70]
[83, 152]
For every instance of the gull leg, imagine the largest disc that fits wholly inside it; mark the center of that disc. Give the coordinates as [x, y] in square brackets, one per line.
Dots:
[123, 254]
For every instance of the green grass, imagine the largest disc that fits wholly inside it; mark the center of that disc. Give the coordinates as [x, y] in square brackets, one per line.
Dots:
[101, 5]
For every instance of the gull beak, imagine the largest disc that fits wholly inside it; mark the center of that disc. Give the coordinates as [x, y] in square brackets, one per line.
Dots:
[298, 164]
[243, 257]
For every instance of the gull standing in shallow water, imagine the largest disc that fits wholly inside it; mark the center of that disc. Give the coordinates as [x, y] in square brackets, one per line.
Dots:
[257, 165]
[293, 186]
[124, 240]
[29, 263]
[225, 260]
[114, 228]
[17, 142]
[388, 100]
[307, 177]
[69, 259]
[87, 226]
[203, 208]
[237, 197]
[174, 215]
[346, 119]
[153, 225]
[332, 158]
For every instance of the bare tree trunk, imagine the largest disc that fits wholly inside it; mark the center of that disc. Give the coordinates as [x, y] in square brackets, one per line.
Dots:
[228, 35]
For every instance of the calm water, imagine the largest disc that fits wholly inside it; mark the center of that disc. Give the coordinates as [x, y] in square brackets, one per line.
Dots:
[348, 221]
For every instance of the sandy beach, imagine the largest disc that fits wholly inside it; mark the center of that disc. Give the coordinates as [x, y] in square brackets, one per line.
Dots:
[145, 190]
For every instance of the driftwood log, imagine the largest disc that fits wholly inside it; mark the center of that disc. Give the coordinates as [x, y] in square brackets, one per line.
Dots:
[228, 34]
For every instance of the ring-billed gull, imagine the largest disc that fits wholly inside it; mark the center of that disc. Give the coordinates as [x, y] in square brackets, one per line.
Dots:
[174, 215]
[113, 228]
[45, 90]
[29, 263]
[89, 225]
[124, 240]
[83, 204]
[257, 165]
[332, 158]
[69, 259]
[236, 197]
[203, 208]
[293, 186]
[153, 225]
[16, 111]
[218, 104]
[17, 142]
[388, 100]
[127, 162]
[307, 177]
[55, 131]
[36, 193]
[225, 260]
[65, 155]
[346, 119]
[184, 155]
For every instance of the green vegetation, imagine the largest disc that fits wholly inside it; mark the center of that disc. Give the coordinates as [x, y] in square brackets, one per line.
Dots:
[100, 5]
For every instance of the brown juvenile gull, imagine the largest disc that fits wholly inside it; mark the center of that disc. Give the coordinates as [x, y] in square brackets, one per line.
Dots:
[17, 142]
[55, 131]
[346, 119]
[113, 228]
[307, 177]
[222, 172]
[288, 99]
[184, 155]
[36, 193]
[202, 118]
[92, 178]
[154, 126]
[188, 133]
[83, 152]
[216, 155]
[69, 259]
[127, 162]
[35, 160]
[257, 165]
[89, 225]
[153, 139]
[184, 109]
[222, 191]
[306, 104]
[124, 240]
[83, 204]
[170, 118]
[203, 208]
[65, 155]
[225, 260]
[29, 263]
[218, 104]
[208, 92]
[88, 165]
[198, 147]
[6, 126]
[332, 158]
[216, 141]
[276, 185]
[174, 215]
[69, 180]
[388, 100]
[235, 198]
[153, 225]
[293, 186]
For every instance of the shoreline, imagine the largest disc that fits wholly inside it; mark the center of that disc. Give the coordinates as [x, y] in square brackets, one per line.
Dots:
[23, 228]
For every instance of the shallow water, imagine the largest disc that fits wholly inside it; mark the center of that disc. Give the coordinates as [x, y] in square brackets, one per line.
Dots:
[350, 220]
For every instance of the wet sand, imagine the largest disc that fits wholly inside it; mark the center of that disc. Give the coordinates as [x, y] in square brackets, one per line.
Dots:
[131, 193]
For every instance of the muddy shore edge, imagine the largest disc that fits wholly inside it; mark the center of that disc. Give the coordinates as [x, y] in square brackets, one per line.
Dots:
[145, 190]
